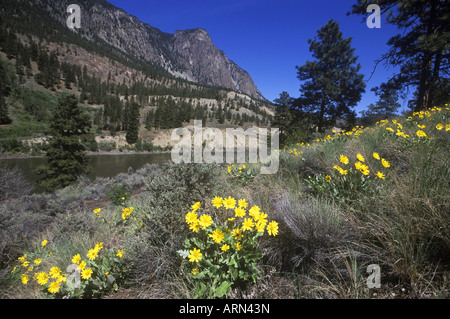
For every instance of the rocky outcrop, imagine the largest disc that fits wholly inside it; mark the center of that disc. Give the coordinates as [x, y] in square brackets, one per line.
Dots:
[189, 54]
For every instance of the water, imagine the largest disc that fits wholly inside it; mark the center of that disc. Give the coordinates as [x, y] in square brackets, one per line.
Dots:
[102, 165]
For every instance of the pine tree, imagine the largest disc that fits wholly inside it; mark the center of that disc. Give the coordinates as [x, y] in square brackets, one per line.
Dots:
[331, 83]
[420, 49]
[4, 91]
[132, 134]
[283, 116]
[65, 154]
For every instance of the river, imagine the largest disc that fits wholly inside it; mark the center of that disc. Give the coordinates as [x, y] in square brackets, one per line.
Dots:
[108, 165]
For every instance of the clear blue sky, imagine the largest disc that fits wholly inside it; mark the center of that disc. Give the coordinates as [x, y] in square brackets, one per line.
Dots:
[268, 38]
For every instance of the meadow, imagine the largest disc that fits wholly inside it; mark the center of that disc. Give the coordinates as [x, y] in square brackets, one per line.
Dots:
[369, 196]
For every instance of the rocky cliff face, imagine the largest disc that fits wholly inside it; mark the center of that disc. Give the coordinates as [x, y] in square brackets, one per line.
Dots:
[189, 54]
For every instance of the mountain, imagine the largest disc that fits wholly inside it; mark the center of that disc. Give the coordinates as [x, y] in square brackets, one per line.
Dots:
[187, 54]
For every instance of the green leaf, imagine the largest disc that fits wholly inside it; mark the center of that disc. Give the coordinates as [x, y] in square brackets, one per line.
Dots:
[223, 289]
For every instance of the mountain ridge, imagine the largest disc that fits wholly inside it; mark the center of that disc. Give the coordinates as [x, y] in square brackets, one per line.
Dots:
[188, 54]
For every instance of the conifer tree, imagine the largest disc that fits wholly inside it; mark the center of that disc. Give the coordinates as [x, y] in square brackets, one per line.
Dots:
[65, 154]
[331, 83]
[132, 134]
[420, 50]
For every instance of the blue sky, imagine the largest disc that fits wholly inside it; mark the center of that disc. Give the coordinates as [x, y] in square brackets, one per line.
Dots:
[269, 38]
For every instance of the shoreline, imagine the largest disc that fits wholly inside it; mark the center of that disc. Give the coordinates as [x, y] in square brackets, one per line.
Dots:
[116, 152]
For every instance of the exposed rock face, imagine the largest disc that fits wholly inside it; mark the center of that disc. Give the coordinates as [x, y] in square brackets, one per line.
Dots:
[189, 54]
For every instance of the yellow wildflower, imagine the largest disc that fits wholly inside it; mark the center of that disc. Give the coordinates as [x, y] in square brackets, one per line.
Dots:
[272, 228]
[217, 202]
[205, 221]
[247, 224]
[360, 157]
[343, 159]
[239, 212]
[195, 255]
[191, 217]
[229, 203]
[54, 287]
[217, 236]
[195, 206]
[86, 273]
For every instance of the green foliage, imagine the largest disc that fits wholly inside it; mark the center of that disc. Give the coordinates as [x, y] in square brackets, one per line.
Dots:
[65, 153]
[332, 84]
[241, 174]
[223, 253]
[119, 194]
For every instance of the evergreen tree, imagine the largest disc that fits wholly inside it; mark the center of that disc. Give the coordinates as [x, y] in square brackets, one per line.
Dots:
[283, 116]
[332, 84]
[65, 154]
[387, 105]
[4, 91]
[421, 50]
[132, 134]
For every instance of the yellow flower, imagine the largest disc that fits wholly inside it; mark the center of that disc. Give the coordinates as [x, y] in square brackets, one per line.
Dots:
[205, 221]
[82, 265]
[195, 255]
[239, 212]
[22, 259]
[54, 272]
[98, 247]
[447, 127]
[421, 133]
[328, 178]
[229, 169]
[421, 126]
[376, 156]
[195, 206]
[260, 226]
[62, 278]
[389, 129]
[238, 246]
[360, 157]
[44, 243]
[237, 233]
[272, 228]
[25, 264]
[225, 247]
[385, 163]
[120, 253]
[92, 254]
[254, 211]
[24, 279]
[86, 273]
[217, 202]
[343, 172]
[195, 226]
[41, 278]
[343, 159]
[242, 203]
[229, 203]
[365, 172]
[191, 217]
[97, 210]
[247, 224]
[194, 271]
[380, 175]
[217, 236]
[439, 126]
[54, 287]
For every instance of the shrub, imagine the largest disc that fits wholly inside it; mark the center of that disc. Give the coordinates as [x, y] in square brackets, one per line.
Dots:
[224, 250]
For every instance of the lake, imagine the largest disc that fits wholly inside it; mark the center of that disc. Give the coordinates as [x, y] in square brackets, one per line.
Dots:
[102, 165]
